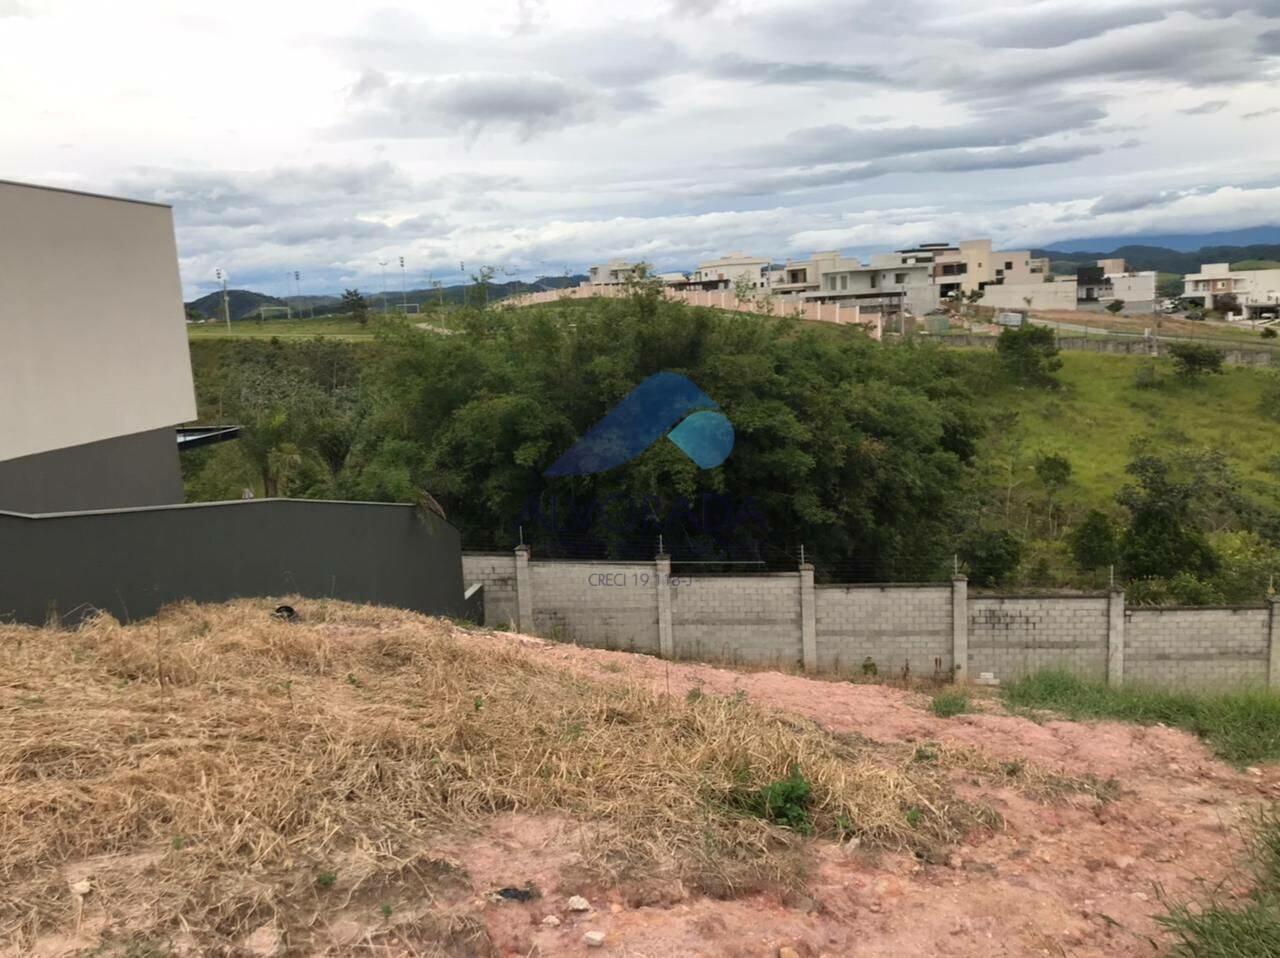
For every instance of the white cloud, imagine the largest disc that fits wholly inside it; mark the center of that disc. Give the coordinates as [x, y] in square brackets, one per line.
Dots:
[540, 134]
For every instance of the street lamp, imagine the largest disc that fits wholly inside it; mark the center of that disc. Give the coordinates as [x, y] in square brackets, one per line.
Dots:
[226, 309]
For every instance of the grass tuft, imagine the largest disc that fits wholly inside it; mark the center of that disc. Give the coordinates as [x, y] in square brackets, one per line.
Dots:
[950, 702]
[1223, 928]
[1240, 727]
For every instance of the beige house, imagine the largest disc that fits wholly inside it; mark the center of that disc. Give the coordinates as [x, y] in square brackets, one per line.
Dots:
[724, 273]
[1257, 291]
[828, 277]
[968, 265]
[613, 273]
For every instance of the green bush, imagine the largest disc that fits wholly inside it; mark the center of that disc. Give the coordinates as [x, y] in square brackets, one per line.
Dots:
[1146, 376]
[1192, 360]
[1029, 353]
[784, 802]
[949, 703]
[1093, 542]
[991, 555]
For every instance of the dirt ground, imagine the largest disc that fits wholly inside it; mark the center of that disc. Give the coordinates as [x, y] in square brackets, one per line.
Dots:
[1070, 877]
[1073, 873]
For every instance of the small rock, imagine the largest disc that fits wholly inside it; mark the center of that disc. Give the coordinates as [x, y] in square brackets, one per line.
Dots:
[615, 908]
[1254, 771]
[551, 921]
[874, 906]
[1123, 862]
[578, 903]
[593, 939]
[955, 861]
[81, 888]
[786, 951]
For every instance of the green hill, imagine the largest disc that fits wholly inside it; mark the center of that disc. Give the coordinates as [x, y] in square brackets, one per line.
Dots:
[242, 304]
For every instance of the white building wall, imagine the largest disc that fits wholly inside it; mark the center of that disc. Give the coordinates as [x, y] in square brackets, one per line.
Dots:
[93, 339]
[1058, 295]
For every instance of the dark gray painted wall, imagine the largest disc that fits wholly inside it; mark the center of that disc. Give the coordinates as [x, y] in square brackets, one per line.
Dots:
[131, 562]
[137, 470]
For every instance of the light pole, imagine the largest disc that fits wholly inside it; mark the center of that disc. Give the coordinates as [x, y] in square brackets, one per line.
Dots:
[404, 301]
[383, 264]
[226, 309]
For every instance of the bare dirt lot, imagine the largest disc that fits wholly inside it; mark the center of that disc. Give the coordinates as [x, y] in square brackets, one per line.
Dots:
[374, 782]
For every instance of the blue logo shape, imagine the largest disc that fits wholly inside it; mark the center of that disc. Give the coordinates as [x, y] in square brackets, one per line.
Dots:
[644, 416]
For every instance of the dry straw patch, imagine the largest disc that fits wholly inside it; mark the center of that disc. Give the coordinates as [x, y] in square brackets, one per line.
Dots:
[212, 768]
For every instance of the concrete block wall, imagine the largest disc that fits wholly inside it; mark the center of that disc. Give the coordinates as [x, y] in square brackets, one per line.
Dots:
[783, 620]
[1013, 636]
[1197, 647]
[891, 625]
[612, 605]
[741, 619]
[497, 573]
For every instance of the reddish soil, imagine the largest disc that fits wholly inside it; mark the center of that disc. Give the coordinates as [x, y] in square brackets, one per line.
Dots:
[1067, 877]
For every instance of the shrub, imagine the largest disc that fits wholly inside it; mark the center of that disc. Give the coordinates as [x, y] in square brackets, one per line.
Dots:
[1115, 306]
[1029, 353]
[1269, 332]
[991, 555]
[783, 802]
[1145, 376]
[950, 703]
[1192, 360]
[1093, 541]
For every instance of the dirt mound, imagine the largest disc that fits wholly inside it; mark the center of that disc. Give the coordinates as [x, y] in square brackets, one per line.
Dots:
[216, 780]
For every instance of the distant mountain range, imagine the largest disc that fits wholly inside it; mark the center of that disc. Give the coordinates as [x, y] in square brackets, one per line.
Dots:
[1161, 258]
[245, 303]
[1182, 242]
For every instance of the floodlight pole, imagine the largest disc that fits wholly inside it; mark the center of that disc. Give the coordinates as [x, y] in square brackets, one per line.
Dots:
[226, 308]
[383, 264]
[404, 299]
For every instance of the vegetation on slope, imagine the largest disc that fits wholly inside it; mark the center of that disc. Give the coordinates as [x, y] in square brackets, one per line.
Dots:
[1241, 727]
[216, 769]
[883, 460]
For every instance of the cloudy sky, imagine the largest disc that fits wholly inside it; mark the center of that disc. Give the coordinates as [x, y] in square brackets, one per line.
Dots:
[543, 135]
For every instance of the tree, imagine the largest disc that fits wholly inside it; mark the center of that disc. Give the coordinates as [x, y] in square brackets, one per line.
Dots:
[862, 452]
[742, 290]
[1226, 303]
[1093, 542]
[355, 306]
[1162, 540]
[1193, 360]
[1115, 306]
[1029, 353]
[991, 556]
[1054, 472]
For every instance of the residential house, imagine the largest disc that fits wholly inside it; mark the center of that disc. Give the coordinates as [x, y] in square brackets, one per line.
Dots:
[613, 273]
[1257, 291]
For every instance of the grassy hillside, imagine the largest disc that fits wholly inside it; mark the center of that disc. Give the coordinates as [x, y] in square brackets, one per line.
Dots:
[1099, 414]
[341, 327]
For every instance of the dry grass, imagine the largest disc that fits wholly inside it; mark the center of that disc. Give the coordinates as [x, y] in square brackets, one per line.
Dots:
[215, 770]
